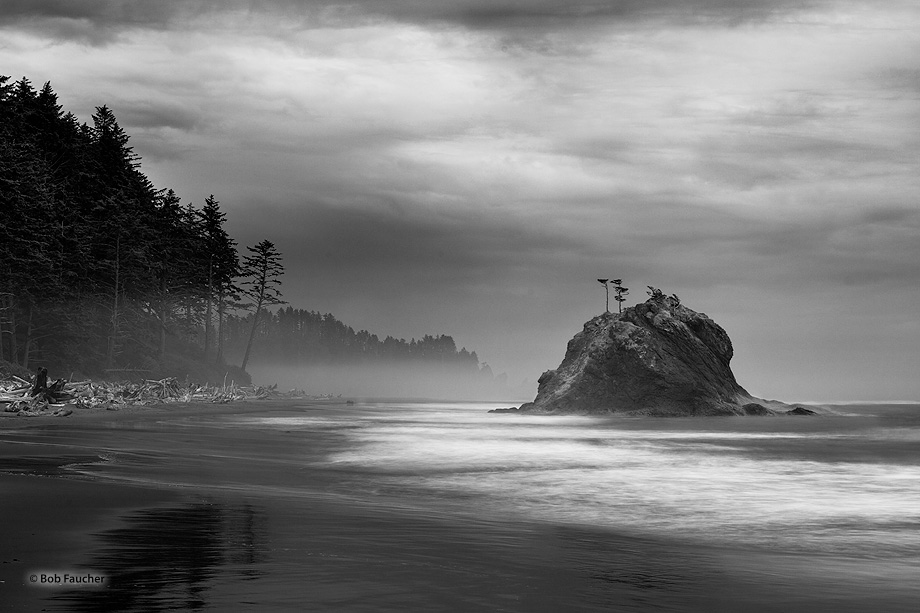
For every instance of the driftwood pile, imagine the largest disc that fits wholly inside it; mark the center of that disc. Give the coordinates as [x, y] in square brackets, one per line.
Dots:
[61, 398]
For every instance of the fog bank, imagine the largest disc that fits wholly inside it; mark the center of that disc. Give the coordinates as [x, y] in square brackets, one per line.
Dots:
[401, 380]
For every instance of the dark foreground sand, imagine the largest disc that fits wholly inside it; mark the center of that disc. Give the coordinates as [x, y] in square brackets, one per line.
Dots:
[181, 548]
[229, 533]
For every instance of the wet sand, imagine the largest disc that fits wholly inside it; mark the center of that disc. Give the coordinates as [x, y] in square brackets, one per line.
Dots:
[181, 516]
[163, 548]
[50, 523]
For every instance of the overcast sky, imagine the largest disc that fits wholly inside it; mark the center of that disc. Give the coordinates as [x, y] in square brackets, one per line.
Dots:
[470, 167]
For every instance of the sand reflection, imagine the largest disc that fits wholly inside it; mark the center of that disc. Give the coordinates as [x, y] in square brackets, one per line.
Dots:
[167, 559]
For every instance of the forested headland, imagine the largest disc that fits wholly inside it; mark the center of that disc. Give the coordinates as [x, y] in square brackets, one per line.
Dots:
[106, 275]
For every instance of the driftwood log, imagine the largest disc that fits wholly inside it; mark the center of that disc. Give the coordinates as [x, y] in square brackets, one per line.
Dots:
[48, 393]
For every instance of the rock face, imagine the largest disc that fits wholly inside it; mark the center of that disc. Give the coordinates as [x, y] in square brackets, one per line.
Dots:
[655, 358]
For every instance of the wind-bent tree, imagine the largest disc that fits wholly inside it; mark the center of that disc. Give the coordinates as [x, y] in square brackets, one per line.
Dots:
[261, 271]
[621, 293]
[607, 293]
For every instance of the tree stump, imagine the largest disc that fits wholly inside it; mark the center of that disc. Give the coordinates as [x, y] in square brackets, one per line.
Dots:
[41, 382]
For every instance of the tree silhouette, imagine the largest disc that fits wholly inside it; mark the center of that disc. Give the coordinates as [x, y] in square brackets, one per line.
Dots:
[607, 293]
[621, 293]
[223, 266]
[261, 270]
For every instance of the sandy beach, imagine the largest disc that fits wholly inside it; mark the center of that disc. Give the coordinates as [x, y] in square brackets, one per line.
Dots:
[157, 540]
[278, 506]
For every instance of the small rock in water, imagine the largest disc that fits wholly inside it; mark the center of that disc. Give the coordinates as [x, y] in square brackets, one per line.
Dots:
[508, 410]
[800, 411]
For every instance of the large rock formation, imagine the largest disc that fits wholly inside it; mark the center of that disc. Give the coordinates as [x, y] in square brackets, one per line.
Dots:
[655, 358]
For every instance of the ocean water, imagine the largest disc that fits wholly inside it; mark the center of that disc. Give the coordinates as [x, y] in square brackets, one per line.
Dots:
[443, 506]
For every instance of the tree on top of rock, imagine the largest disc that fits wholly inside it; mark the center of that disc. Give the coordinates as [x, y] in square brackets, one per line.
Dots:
[656, 295]
[621, 293]
[607, 293]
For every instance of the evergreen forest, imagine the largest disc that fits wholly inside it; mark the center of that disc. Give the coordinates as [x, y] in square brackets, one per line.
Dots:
[106, 275]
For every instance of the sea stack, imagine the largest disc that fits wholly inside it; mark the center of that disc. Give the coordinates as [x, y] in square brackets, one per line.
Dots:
[655, 358]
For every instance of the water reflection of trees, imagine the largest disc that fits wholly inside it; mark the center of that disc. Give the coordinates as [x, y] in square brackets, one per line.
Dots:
[167, 559]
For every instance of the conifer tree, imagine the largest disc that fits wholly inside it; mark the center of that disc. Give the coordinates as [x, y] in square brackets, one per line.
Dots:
[606, 294]
[223, 266]
[94, 260]
[173, 259]
[621, 293]
[26, 199]
[261, 270]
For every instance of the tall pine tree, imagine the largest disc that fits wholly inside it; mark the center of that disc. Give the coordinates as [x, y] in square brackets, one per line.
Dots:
[261, 271]
[223, 267]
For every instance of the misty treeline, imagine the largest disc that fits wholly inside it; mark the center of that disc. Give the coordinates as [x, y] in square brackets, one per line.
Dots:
[295, 336]
[103, 273]
[99, 269]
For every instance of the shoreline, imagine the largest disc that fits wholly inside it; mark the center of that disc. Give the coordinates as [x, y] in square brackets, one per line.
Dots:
[255, 519]
[63, 521]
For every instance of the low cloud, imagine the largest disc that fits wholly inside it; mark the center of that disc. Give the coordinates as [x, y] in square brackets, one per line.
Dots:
[470, 168]
[100, 22]
[151, 115]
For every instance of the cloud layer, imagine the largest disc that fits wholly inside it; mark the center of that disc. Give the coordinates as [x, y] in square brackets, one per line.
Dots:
[470, 167]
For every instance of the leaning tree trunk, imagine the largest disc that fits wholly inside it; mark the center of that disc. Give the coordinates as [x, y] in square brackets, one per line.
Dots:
[110, 355]
[27, 348]
[252, 332]
[14, 349]
[2, 319]
[207, 317]
[220, 328]
[162, 313]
